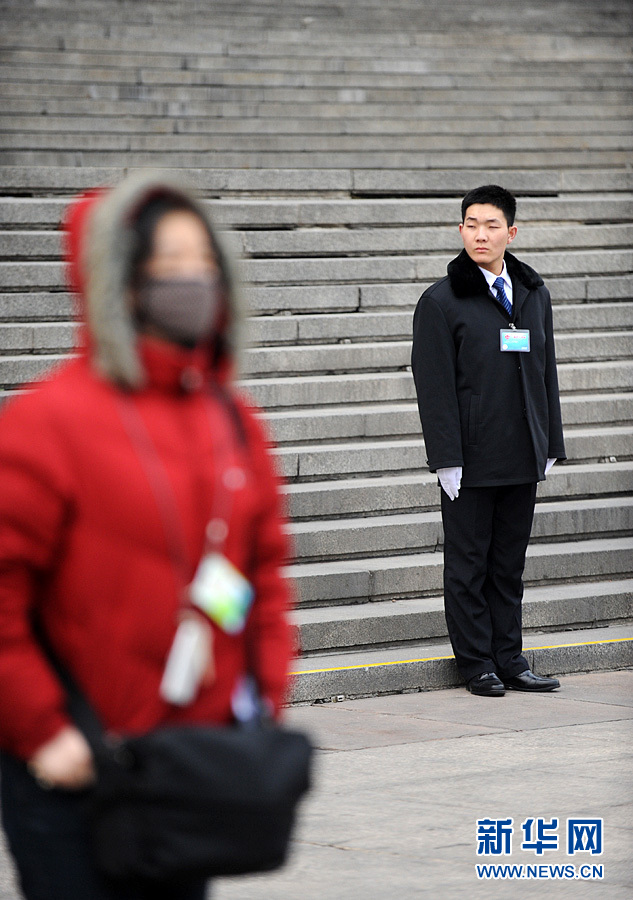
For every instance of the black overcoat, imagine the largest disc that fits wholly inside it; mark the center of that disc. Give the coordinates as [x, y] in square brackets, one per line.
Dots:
[495, 414]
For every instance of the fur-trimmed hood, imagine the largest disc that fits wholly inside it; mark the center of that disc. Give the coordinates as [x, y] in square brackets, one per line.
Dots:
[468, 281]
[99, 248]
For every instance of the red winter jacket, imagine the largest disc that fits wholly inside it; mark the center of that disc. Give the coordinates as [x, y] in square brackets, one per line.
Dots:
[90, 519]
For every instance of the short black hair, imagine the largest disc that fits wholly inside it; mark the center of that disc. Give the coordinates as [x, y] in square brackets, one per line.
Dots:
[496, 196]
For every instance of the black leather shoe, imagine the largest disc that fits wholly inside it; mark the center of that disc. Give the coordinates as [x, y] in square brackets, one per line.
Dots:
[486, 685]
[528, 681]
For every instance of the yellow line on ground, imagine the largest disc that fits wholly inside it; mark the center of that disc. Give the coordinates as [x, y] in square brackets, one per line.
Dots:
[404, 662]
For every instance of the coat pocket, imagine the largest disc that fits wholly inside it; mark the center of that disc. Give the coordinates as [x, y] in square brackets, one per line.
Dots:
[473, 419]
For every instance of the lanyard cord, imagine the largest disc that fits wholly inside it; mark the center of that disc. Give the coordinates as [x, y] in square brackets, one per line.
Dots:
[227, 479]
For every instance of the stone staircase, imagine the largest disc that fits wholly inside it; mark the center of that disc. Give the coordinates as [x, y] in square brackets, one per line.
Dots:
[334, 142]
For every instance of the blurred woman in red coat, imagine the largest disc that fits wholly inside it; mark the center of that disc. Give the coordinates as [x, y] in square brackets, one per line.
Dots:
[120, 473]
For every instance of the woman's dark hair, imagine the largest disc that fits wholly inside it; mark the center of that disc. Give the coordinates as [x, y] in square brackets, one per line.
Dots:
[143, 226]
[496, 196]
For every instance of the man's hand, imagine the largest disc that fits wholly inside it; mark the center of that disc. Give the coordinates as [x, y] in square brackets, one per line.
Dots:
[65, 762]
[451, 480]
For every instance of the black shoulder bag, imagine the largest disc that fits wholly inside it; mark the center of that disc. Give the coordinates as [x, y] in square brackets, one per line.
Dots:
[193, 800]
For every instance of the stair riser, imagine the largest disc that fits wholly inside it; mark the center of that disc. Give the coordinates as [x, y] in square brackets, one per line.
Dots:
[434, 674]
[405, 422]
[337, 242]
[28, 212]
[329, 359]
[423, 575]
[421, 493]
[378, 536]
[407, 456]
[405, 628]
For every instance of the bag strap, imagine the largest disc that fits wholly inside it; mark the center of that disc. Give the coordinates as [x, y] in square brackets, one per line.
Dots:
[79, 710]
[85, 718]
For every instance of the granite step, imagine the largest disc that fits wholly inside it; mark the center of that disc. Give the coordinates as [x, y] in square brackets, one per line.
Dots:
[309, 391]
[299, 330]
[191, 86]
[378, 32]
[336, 242]
[306, 212]
[24, 179]
[242, 75]
[336, 582]
[380, 420]
[276, 392]
[393, 295]
[141, 121]
[381, 535]
[613, 160]
[449, 66]
[25, 285]
[397, 622]
[394, 355]
[378, 457]
[343, 356]
[419, 491]
[424, 666]
[417, 269]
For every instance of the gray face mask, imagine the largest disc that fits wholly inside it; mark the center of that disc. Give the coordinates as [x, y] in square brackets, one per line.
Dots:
[184, 310]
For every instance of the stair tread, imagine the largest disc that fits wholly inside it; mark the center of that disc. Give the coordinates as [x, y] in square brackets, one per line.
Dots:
[381, 609]
[408, 560]
[385, 656]
[335, 143]
[409, 519]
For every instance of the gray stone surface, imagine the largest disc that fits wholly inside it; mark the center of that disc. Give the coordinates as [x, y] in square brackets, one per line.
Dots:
[365, 325]
[401, 782]
[386, 355]
[336, 140]
[563, 606]
[304, 391]
[429, 665]
[346, 538]
[419, 490]
[402, 419]
[409, 575]
[369, 457]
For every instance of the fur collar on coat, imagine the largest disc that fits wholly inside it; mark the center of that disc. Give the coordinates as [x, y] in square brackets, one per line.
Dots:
[468, 281]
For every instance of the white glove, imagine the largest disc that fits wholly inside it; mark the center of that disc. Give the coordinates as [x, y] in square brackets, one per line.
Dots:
[451, 480]
[549, 464]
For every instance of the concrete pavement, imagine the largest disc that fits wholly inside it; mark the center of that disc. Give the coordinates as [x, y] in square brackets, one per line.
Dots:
[402, 780]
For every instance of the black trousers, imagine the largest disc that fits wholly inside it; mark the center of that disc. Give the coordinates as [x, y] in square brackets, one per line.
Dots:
[47, 833]
[486, 534]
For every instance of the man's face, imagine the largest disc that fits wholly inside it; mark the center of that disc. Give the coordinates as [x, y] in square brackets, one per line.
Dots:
[486, 235]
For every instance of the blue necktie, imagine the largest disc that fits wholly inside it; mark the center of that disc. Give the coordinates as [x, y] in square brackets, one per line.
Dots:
[501, 295]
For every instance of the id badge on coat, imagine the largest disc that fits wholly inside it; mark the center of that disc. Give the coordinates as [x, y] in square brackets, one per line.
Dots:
[222, 592]
[190, 658]
[515, 340]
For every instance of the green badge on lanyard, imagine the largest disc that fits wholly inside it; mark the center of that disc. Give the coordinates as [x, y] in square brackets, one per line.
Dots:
[222, 592]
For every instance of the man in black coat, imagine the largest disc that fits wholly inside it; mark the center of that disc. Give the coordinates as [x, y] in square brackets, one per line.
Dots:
[485, 373]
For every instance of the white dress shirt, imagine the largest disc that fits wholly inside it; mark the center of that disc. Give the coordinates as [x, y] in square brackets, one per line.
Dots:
[491, 278]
